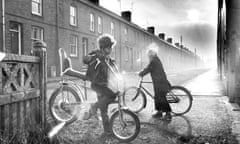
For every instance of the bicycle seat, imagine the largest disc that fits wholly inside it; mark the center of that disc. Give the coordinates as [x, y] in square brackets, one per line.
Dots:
[65, 61]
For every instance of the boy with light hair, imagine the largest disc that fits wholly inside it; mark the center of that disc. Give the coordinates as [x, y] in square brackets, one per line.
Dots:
[160, 83]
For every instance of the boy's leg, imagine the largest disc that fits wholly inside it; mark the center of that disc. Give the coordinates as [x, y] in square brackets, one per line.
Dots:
[106, 97]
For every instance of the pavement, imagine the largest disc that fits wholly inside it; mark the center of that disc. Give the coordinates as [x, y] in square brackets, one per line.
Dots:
[210, 115]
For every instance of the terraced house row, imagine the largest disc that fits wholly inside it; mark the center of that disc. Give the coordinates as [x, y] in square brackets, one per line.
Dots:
[75, 25]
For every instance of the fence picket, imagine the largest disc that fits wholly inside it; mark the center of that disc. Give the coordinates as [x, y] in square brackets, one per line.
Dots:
[2, 115]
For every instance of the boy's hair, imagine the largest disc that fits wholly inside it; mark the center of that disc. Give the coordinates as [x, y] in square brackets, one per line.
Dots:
[105, 41]
[153, 49]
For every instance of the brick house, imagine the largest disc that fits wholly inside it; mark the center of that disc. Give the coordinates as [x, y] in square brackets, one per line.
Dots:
[75, 25]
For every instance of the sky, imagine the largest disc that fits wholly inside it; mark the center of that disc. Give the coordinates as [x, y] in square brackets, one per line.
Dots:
[194, 20]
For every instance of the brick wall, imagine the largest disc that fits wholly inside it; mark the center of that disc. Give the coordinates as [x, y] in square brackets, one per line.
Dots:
[129, 47]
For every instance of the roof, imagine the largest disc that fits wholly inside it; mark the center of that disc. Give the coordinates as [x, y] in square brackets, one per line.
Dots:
[114, 15]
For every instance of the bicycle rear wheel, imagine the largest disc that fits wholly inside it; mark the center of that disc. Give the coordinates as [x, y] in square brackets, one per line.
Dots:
[134, 99]
[180, 100]
[63, 104]
[125, 125]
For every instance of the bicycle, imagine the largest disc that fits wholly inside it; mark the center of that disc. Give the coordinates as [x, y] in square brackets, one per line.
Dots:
[65, 99]
[135, 98]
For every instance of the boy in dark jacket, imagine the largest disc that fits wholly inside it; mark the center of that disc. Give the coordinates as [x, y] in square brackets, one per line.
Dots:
[99, 62]
[160, 84]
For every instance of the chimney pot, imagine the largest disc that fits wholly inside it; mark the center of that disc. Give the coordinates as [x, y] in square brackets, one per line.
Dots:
[161, 36]
[151, 29]
[96, 2]
[169, 40]
[126, 15]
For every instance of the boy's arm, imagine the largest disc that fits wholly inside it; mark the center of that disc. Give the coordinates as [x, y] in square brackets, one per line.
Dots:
[74, 73]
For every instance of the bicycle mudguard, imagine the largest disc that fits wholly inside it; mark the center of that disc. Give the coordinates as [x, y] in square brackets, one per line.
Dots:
[144, 97]
[183, 88]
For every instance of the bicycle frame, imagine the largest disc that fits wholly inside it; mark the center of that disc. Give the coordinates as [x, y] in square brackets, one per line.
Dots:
[171, 98]
[143, 88]
[83, 95]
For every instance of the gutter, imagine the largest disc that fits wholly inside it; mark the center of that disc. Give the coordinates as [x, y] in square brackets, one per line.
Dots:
[3, 25]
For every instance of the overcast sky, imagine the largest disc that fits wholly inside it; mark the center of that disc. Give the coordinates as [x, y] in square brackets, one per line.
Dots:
[195, 20]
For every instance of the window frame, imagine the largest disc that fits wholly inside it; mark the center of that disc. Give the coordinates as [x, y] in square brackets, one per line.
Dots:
[73, 17]
[84, 46]
[75, 45]
[92, 22]
[19, 30]
[112, 26]
[100, 24]
[40, 5]
[41, 33]
[126, 33]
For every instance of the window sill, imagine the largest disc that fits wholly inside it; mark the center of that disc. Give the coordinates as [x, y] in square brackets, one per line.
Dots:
[73, 25]
[73, 56]
[37, 14]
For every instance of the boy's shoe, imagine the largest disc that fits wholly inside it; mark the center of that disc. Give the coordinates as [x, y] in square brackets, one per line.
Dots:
[168, 116]
[157, 114]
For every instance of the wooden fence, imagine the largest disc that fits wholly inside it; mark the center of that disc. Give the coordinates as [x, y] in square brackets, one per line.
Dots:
[23, 90]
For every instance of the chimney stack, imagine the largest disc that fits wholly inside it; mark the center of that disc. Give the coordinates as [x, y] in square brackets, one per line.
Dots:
[169, 40]
[181, 46]
[151, 30]
[177, 44]
[126, 15]
[96, 2]
[161, 36]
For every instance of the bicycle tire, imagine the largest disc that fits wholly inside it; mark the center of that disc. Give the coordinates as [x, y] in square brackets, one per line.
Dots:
[136, 120]
[53, 98]
[140, 99]
[188, 96]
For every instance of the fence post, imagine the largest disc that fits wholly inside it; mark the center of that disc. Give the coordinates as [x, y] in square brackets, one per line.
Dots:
[39, 49]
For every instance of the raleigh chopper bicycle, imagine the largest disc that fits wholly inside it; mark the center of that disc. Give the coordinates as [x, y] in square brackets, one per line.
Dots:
[179, 98]
[64, 101]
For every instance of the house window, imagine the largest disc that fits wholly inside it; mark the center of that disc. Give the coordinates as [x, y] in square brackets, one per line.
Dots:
[37, 33]
[112, 29]
[73, 17]
[99, 25]
[126, 34]
[85, 46]
[73, 45]
[15, 30]
[91, 22]
[37, 7]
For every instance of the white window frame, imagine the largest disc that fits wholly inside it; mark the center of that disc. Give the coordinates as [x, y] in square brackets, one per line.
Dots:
[71, 44]
[19, 31]
[73, 15]
[38, 3]
[92, 22]
[85, 45]
[126, 33]
[112, 25]
[100, 24]
[41, 33]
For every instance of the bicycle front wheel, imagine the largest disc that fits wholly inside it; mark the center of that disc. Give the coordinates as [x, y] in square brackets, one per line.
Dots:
[180, 100]
[134, 99]
[125, 125]
[63, 104]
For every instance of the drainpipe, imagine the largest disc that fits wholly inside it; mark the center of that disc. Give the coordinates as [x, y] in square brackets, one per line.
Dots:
[3, 25]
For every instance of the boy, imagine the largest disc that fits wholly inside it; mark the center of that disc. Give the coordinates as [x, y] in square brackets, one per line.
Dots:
[160, 84]
[101, 62]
